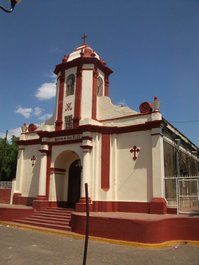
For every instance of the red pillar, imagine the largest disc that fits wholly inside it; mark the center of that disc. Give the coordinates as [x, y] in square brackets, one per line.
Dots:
[78, 96]
[105, 162]
[94, 96]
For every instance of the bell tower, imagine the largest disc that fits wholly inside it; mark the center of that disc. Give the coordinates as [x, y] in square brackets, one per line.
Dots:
[81, 77]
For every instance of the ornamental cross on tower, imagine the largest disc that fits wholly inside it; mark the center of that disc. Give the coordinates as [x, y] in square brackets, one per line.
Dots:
[84, 37]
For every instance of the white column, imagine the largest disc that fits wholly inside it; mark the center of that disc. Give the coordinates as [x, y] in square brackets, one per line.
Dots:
[86, 172]
[157, 163]
[42, 175]
[20, 170]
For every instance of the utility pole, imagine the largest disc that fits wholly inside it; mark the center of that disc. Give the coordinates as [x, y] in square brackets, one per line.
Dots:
[3, 153]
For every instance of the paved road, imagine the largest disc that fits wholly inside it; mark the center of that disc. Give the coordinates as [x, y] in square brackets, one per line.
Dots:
[23, 247]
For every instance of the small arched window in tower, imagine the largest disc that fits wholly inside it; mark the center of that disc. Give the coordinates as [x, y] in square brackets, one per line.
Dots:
[99, 86]
[70, 84]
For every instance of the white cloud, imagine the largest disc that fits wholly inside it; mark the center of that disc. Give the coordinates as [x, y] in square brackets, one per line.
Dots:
[11, 132]
[38, 111]
[45, 117]
[15, 132]
[46, 91]
[26, 112]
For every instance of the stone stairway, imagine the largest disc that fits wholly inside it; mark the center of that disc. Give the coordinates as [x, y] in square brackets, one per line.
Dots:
[54, 218]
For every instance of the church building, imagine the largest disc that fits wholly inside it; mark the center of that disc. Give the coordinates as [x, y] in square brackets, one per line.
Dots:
[129, 159]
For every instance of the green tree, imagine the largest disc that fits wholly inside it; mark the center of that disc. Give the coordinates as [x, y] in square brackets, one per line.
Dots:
[8, 158]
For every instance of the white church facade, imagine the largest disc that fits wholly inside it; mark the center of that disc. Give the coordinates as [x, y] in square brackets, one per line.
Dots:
[124, 155]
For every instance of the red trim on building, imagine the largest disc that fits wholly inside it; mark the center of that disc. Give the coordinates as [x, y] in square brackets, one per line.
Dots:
[59, 121]
[85, 147]
[105, 162]
[49, 155]
[78, 97]
[9, 214]
[19, 199]
[83, 60]
[106, 86]
[5, 195]
[94, 94]
[87, 138]
[29, 142]
[115, 206]
[40, 203]
[90, 128]
[158, 206]
[101, 129]
[55, 169]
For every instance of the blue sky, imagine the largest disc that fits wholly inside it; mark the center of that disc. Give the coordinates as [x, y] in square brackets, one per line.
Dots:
[151, 45]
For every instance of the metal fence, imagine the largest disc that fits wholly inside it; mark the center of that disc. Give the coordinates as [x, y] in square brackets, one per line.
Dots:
[188, 195]
[183, 193]
[5, 184]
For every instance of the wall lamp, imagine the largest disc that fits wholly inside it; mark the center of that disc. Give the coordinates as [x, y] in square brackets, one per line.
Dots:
[12, 3]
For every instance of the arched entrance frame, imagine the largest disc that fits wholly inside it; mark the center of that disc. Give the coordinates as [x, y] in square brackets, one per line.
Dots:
[59, 177]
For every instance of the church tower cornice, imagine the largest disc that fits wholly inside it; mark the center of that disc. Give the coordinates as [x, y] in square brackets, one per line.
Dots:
[79, 62]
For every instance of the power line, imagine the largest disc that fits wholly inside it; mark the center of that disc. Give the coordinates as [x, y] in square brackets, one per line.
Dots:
[190, 121]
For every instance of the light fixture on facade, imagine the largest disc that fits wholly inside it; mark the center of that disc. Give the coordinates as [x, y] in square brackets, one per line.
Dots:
[13, 4]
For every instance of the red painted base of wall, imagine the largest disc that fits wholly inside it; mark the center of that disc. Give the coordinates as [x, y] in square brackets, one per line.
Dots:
[156, 206]
[40, 203]
[18, 199]
[5, 195]
[55, 204]
[9, 214]
[143, 231]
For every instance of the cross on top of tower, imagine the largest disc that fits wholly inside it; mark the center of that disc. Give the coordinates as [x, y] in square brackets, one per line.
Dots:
[84, 38]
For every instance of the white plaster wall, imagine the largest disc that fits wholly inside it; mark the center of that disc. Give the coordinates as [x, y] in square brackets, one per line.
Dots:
[157, 163]
[86, 104]
[134, 178]
[30, 177]
[101, 74]
[107, 110]
[129, 180]
[96, 167]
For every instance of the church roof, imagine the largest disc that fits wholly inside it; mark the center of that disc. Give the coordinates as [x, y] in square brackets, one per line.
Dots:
[82, 51]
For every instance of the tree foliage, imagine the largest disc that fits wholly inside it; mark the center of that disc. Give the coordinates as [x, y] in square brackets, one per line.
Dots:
[8, 158]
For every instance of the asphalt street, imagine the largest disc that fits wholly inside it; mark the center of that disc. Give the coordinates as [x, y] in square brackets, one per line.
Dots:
[29, 247]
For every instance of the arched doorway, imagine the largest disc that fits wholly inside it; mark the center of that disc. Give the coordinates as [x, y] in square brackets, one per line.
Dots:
[74, 183]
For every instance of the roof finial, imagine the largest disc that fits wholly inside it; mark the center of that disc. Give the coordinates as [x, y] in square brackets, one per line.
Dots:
[84, 38]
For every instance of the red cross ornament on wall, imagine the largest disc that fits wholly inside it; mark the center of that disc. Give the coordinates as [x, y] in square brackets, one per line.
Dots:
[135, 150]
[33, 159]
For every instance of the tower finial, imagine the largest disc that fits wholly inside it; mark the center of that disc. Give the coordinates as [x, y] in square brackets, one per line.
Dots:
[84, 38]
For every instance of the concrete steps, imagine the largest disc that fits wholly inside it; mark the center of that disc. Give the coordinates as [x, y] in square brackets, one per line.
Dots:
[55, 218]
